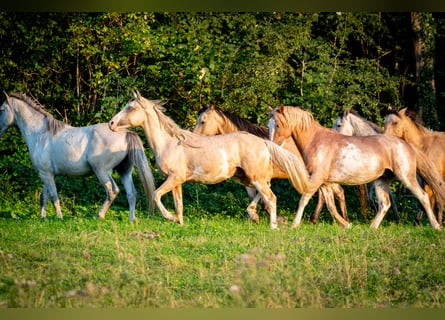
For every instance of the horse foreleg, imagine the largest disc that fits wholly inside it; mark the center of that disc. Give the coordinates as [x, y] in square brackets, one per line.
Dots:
[316, 214]
[363, 196]
[394, 207]
[340, 195]
[49, 190]
[169, 184]
[179, 207]
[301, 205]
[382, 193]
[127, 181]
[329, 197]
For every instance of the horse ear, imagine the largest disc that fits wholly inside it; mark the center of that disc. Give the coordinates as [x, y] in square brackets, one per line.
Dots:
[136, 94]
[403, 111]
[281, 109]
[7, 96]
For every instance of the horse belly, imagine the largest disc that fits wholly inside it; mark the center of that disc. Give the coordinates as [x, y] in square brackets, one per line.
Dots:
[356, 167]
[70, 156]
[211, 167]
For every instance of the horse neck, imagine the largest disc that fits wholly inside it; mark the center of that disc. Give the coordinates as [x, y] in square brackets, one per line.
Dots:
[414, 134]
[157, 135]
[303, 138]
[31, 122]
[364, 128]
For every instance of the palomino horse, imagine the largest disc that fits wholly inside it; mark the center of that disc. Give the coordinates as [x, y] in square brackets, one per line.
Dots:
[213, 120]
[56, 148]
[332, 157]
[403, 124]
[351, 123]
[184, 156]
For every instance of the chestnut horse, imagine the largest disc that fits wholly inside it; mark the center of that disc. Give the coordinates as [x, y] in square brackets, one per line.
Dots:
[184, 156]
[213, 120]
[332, 157]
[403, 124]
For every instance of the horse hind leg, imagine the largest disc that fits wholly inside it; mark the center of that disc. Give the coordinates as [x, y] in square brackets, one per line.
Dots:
[127, 181]
[316, 214]
[111, 189]
[329, 197]
[270, 201]
[381, 188]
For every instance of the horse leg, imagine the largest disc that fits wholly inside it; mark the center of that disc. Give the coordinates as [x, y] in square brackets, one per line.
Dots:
[329, 197]
[301, 205]
[340, 195]
[251, 209]
[127, 181]
[362, 194]
[381, 188]
[111, 189]
[394, 207]
[270, 201]
[316, 214]
[179, 207]
[43, 202]
[423, 198]
[49, 190]
[254, 198]
[169, 184]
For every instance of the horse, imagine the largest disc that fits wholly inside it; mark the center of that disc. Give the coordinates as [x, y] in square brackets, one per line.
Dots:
[213, 120]
[404, 125]
[350, 123]
[183, 156]
[332, 157]
[57, 148]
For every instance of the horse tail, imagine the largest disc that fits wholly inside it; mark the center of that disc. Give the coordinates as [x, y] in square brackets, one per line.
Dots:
[139, 158]
[291, 164]
[429, 172]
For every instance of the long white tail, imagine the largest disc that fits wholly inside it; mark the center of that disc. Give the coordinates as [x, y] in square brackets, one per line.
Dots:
[291, 164]
[137, 153]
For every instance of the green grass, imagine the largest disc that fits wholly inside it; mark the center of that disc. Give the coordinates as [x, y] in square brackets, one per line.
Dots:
[217, 261]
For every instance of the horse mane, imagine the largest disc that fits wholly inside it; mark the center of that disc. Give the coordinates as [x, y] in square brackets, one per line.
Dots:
[54, 126]
[171, 127]
[240, 123]
[374, 126]
[297, 117]
[413, 117]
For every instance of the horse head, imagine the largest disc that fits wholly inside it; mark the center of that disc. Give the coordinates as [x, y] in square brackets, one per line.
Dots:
[6, 114]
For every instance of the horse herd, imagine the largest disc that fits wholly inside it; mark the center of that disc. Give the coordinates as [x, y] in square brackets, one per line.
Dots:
[293, 146]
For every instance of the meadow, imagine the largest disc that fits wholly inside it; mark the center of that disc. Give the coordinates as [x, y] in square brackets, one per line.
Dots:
[216, 259]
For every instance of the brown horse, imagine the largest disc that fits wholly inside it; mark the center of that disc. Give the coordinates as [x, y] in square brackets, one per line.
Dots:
[184, 156]
[403, 124]
[213, 120]
[332, 157]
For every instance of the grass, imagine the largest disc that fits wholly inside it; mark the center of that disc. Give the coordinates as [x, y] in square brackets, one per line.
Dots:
[217, 261]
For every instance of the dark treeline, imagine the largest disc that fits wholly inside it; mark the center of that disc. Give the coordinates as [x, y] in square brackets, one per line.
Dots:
[83, 66]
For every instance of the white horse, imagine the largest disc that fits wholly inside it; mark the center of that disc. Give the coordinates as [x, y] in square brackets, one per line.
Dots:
[56, 148]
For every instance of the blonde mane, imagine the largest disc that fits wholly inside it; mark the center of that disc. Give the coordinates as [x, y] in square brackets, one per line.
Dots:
[298, 118]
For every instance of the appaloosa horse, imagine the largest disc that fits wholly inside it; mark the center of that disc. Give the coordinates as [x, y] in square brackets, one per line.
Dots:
[332, 157]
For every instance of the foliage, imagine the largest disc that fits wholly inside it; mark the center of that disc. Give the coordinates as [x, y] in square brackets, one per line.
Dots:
[83, 66]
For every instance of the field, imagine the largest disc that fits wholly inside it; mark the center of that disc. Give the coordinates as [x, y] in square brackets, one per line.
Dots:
[217, 261]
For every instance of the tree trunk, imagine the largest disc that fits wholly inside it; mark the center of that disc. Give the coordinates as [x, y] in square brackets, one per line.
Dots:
[424, 47]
